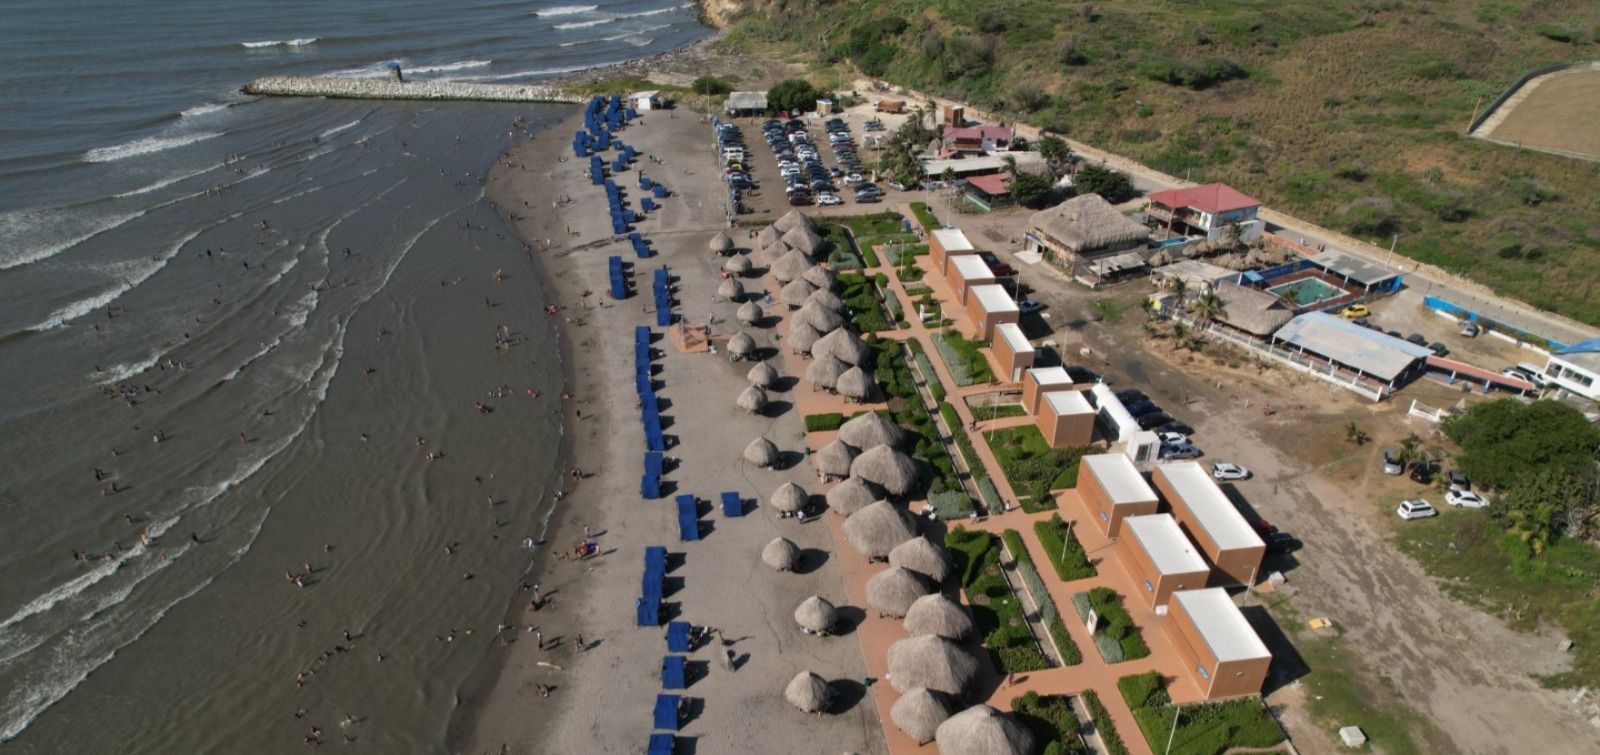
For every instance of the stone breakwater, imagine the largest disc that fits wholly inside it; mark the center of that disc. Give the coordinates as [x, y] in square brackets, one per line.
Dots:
[388, 89]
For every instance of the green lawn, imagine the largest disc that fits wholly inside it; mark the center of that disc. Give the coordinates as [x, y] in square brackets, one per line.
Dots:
[1117, 638]
[967, 365]
[1063, 549]
[998, 411]
[1202, 729]
[996, 609]
[1052, 721]
[1032, 467]
[925, 216]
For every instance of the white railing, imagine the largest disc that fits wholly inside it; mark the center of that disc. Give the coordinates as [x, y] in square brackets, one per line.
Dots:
[1426, 412]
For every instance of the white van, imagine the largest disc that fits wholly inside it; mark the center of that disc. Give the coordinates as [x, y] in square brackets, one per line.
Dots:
[1535, 374]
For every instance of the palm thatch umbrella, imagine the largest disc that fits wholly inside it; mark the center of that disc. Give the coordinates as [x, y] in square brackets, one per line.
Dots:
[795, 292]
[768, 236]
[738, 264]
[843, 345]
[833, 460]
[878, 528]
[855, 383]
[819, 317]
[802, 336]
[773, 252]
[781, 554]
[761, 452]
[825, 371]
[893, 590]
[939, 616]
[731, 289]
[805, 240]
[809, 693]
[924, 557]
[1161, 258]
[819, 276]
[721, 244]
[762, 374]
[919, 712]
[816, 614]
[752, 399]
[790, 266]
[741, 344]
[791, 220]
[790, 498]
[895, 471]
[932, 662]
[982, 730]
[749, 313]
[871, 429]
[827, 299]
[852, 495]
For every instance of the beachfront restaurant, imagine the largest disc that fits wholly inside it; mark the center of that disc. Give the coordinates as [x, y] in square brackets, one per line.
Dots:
[1013, 352]
[1353, 274]
[1042, 380]
[1114, 490]
[966, 272]
[1223, 656]
[1160, 558]
[1067, 420]
[1210, 519]
[1340, 349]
[1089, 239]
[988, 306]
[746, 103]
[945, 243]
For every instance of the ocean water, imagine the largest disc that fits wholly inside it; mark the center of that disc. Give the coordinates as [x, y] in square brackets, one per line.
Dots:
[257, 319]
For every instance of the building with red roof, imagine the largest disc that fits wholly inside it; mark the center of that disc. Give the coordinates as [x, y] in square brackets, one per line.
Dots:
[1203, 210]
[977, 138]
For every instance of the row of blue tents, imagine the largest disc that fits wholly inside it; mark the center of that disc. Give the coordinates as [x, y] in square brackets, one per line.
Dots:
[688, 518]
[640, 246]
[673, 671]
[662, 286]
[602, 117]
[619, 282]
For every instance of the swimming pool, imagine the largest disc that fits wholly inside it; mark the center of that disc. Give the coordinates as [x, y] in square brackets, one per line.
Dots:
[1307, 291]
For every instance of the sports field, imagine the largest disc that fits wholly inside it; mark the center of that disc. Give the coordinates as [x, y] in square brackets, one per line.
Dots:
[1557, 112]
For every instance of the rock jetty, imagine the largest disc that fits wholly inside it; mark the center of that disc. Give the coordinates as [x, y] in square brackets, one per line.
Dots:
[389, 89]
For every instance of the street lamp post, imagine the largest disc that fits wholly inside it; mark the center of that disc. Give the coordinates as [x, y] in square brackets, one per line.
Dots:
[1176, 711]
[1392, 241]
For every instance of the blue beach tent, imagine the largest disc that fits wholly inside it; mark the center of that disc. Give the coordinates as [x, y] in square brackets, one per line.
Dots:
[649, 612]
[732, 504]
[667, 712]
[678, 636]
[641, 333]
[663, 317]
[688, 518]
[653, 463]
[672, 676]
[659, 191]
[660, 744]
[649, 486]
[656, 556]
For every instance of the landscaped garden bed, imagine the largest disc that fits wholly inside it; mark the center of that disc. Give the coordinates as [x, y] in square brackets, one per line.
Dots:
[998, 612]
[1049, 615]
[1202, 729]
[1116, 637]
[1032, 467]
[1052, 721]
[1063, 549]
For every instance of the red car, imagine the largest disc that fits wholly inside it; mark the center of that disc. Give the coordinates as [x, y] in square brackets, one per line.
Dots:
[997, 267]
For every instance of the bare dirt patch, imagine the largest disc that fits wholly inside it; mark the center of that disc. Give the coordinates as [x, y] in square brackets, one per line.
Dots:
[1557, 113]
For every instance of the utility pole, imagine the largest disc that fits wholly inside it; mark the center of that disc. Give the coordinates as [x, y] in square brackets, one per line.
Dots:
[1392, 241]
[1176, 711]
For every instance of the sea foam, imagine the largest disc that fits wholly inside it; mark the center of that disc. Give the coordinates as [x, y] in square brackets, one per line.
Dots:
[300, 42]
[565, 10]
[145, 146]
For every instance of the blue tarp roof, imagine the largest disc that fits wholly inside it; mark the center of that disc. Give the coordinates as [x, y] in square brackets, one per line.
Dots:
[1582, 347]
[650, 589]
[732, 504]
[672, 676]
[666, 714]
[678, 636]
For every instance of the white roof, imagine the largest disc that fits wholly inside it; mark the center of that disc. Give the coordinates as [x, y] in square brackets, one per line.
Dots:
[1049, 375]
[1221, 625]
[971, 267]
[993, 298]
[1121, 480]
[1068, 402]
[1210, 506]
[1027, 162]
[1381, 356]
[648, 94]
[1015, 338]
[1169, 549]
[953, 240]
[1115, 413]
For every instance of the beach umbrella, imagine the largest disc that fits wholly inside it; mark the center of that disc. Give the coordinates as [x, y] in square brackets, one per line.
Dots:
[827, 299]
[843, 345]
[825, 370]
[816, 614]
[752, 399]
[781, 554]
[804, 240]
[791, 220]
[768, 236]
[790, 266]
[931, 662]
[819, 317]
[871, 429]
[893, 590]
[939, 616]
[761, 452]
[982, 730]
[738, 264]
[819, 276]
[795, 292]
[749, 313]
[855, 383]
[1161, 258]
[919, 712]
[731, 289]
[802, 336]
[924, 557]
[741, 344]
[852, 495]
[762, 374]
[878, 528]
[833, 460]
[790, 498]
[775, 251]
[884, 465]
[721, 244]
[809, 692]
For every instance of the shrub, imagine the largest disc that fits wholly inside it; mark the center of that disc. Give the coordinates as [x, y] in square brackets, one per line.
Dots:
[1110, 649]
[950, 504]
[1103, 724]
[1063, 549]
[991, 494]
[1203, 729]
[816, 423]
[893, 305]
[710, 85]
[1144, 690]
[925, 216]
[1193, 74]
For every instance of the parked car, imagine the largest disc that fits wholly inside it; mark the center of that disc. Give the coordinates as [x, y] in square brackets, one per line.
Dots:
[1027, 306]
[1469, 329]
[1140, 408]
[1391, 463]
[1364, 322]
[829, 199]
[1281, 542]
[1356, 310]
[1081, 374]
[799, 200]
[1439, 349]
[1153, 421]
[1227, 470]
[1176, 426]
[1173, 439]
[1416, 509]
[1465, 499]
[1130, 395]
[897, 186]
[995, 265]
[1454, 480]
[1417, 339]
[1179, 453]
[1422, 472]
[854, 178]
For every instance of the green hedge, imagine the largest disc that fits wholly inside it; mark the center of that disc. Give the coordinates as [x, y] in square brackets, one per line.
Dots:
[998, 411]
[991, 494]
[1203, 729]
[925, 216]
[1103, 725]
[1048, 614]
[1074, 565]
[1115, 625]
[816, 423]
[950, 504]
[997, 611]
[1052, 721]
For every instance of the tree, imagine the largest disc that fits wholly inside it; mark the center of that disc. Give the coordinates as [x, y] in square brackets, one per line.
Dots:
[1536, 508]
[1056, 153]
[792, 94]
[1030, 189]
[710, 86]
[1020, 143]
[1505, 441]
[1114, 185]
[1207, 307]
[1354, 434]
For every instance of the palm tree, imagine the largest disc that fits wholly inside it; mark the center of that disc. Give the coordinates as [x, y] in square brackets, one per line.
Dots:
[1354, 434]
[1178, 286]
[1207, 307]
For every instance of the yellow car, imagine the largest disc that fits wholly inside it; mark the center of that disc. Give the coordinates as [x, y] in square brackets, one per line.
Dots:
[1356, 310]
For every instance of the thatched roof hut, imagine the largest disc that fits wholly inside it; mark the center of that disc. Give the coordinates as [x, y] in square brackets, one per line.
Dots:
[721, 244]
[762, 374]
[809, 692]
[884, 465]
[816, 614]
[871, 429]
[790, 498]
[827, 299]
[819, 317]
[805, 240]
[790, 266]
[761, 452]
[932, 662]
[1251, 310]
[752, 399]
[1088, 223]
[795, 293]
[731, 289]
[982, 730]
[919, 712]
[738, 264]
[781, 554]
[878, 528]
[741, 344]
[852, 495]
[939, 616]
[924, 557]
[825, 370]
[802, 336]
[768, 236]
[843, 345]
[833, 460]
[893, 590]
[791, 220]
[819, 276]
[773, 252]
[855, 383]
[749, 313]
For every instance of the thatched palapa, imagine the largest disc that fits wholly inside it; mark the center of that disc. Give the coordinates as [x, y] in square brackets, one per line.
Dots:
[795, 293]
[809, 692]
[825, 370]
[761, 452]
[1251, 310]
[827, 299]
[731, 289]
[982, 730]
[843, 345]
[816, 614]
[804, 240]
[932, 662]
[749, 313]
[878, 528]
[819, 276]
[741, 344]
[771, 253]
[924, 557]
[1088, 223]
[781, 554]
[802, 336]
[893, 590]
[752, 399]
[721, 244]
[919, 712]
[855, 383]
[738, 264]
[790, 266]
[768, 236]
[790, 498]
[852, 495]
[833, 460]
[939, 616]
[762, 374]
[871, 429]
[791, 220]
[895, 471]
[817, 316]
